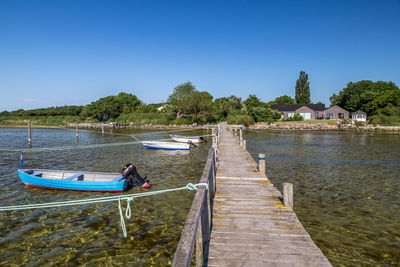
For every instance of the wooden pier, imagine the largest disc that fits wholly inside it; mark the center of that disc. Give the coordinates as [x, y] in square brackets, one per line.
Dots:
[249, 226]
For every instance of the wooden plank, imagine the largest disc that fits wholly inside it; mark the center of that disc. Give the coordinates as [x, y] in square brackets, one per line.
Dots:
[250, 225]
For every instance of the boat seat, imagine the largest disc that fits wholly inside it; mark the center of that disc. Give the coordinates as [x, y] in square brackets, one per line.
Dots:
[29, 171]
[116, 179]
[39, 174]
[78, 175]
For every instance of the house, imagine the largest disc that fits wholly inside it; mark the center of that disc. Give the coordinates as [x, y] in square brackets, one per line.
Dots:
[307, 111]
[359, 115]
[336, 112]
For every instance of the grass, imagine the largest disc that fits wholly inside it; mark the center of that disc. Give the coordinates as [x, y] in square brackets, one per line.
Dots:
[40, 120]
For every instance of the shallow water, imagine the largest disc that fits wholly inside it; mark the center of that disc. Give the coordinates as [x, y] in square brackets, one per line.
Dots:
[91, 234]
[346, 190]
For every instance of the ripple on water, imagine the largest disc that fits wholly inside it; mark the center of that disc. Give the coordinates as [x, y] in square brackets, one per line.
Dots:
[91, 234]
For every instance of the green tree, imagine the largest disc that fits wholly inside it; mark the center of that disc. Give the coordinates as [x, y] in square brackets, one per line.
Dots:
[187, 102]
[259, 110]
[281, 100]
[225, 105]
[302, 89]
[177, 101]
[371, 97]
[112, 106]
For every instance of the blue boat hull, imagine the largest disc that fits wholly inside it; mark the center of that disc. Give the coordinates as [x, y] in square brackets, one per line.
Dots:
[108, 186]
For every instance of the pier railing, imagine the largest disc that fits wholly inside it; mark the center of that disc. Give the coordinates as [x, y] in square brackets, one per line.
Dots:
[197, 229]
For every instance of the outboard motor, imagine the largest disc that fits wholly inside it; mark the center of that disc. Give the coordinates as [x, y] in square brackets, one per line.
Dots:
[130, 173]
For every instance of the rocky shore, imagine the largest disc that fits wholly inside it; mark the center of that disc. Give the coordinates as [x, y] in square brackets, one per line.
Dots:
[339, 126]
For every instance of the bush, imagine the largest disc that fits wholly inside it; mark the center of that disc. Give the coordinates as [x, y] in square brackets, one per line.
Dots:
[296, 117]
[385, 120]
[240, 119]
[140, 119]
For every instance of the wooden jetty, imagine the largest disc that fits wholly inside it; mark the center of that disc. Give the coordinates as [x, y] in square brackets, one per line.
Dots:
[246, 223]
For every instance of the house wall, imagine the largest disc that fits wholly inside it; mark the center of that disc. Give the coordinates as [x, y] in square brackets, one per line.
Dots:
[335, 110]
[305, 109]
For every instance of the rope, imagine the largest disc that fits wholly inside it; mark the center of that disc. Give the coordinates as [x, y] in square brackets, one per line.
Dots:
[128, 199]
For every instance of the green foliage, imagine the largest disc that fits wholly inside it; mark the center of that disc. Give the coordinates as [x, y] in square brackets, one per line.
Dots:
[150, 108]
[375, 98]
[225, 105]
[41, 120]
[260, 111]
[296, 117]
[239, 117]
[113, 106]
[302, 89]
[187, 102]
[51, 111]
[281, 100]
[140, 119]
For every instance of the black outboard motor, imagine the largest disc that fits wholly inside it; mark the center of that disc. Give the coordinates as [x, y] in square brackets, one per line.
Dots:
[130, 173]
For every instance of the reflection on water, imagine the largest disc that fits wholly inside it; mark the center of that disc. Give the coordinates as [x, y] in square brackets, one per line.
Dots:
[91, 234]
[345, 196]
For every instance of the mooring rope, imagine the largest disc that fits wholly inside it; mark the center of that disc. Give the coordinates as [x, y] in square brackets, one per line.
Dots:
[128, 199]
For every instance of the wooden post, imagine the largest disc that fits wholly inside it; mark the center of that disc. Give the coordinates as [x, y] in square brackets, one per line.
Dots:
[102, 129]
[199, 245]
[213, 135]
[261, 163]
[288, 195]
[235, 132]
[76, 133]
[29, 135]
[244, 144]
[240, 134]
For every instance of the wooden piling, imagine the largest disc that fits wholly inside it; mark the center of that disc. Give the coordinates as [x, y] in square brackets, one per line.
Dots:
[77, 134]
[102, 129]
[288, 195]
[29, 135]
[213, 135]
[240, 134]
[261, 163]
[244, 144]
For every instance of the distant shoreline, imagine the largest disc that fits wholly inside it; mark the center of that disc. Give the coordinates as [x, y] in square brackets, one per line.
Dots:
[289, 126]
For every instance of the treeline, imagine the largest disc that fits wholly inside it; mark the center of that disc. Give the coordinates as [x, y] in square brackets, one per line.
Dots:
[187, 105]
[380, 100]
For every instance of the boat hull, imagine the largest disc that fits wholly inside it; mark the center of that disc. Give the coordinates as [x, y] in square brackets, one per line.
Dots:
[166, 145]
[60, 184]
[186, 139]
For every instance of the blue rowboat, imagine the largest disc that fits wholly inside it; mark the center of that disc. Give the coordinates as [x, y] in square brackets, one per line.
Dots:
[72, 180]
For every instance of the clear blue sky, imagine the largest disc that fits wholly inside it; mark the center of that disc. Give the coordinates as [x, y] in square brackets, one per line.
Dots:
[55, 52]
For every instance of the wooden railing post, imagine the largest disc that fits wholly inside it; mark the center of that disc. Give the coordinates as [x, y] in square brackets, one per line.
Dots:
[288, 195]
[261, 163]
[199, 244]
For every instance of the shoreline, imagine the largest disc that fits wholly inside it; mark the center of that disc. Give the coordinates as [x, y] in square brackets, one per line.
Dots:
[289, 126]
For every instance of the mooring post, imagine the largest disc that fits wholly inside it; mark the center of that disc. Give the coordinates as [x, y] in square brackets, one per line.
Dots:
[244, 144]
[76, 133]
[261, 163]
[102, 129]
[288, 195]
[240, 135]
[29, 135]
[235, 132]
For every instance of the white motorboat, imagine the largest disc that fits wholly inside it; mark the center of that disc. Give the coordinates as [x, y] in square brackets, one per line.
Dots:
[166, 145]
[187, 139]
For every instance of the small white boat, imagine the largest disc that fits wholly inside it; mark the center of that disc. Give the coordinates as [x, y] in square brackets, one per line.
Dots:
[166, 145]
[187, 139]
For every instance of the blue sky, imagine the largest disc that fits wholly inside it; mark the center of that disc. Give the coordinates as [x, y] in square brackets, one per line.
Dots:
[55, 53]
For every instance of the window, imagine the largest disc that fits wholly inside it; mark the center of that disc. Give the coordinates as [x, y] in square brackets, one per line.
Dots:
[290, 114]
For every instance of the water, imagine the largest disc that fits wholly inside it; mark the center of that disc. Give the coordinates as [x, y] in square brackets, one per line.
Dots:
[91, 234]
[346, 190]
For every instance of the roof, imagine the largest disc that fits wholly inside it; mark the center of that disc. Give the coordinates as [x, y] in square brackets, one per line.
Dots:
[359, 112]
[287, 107]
